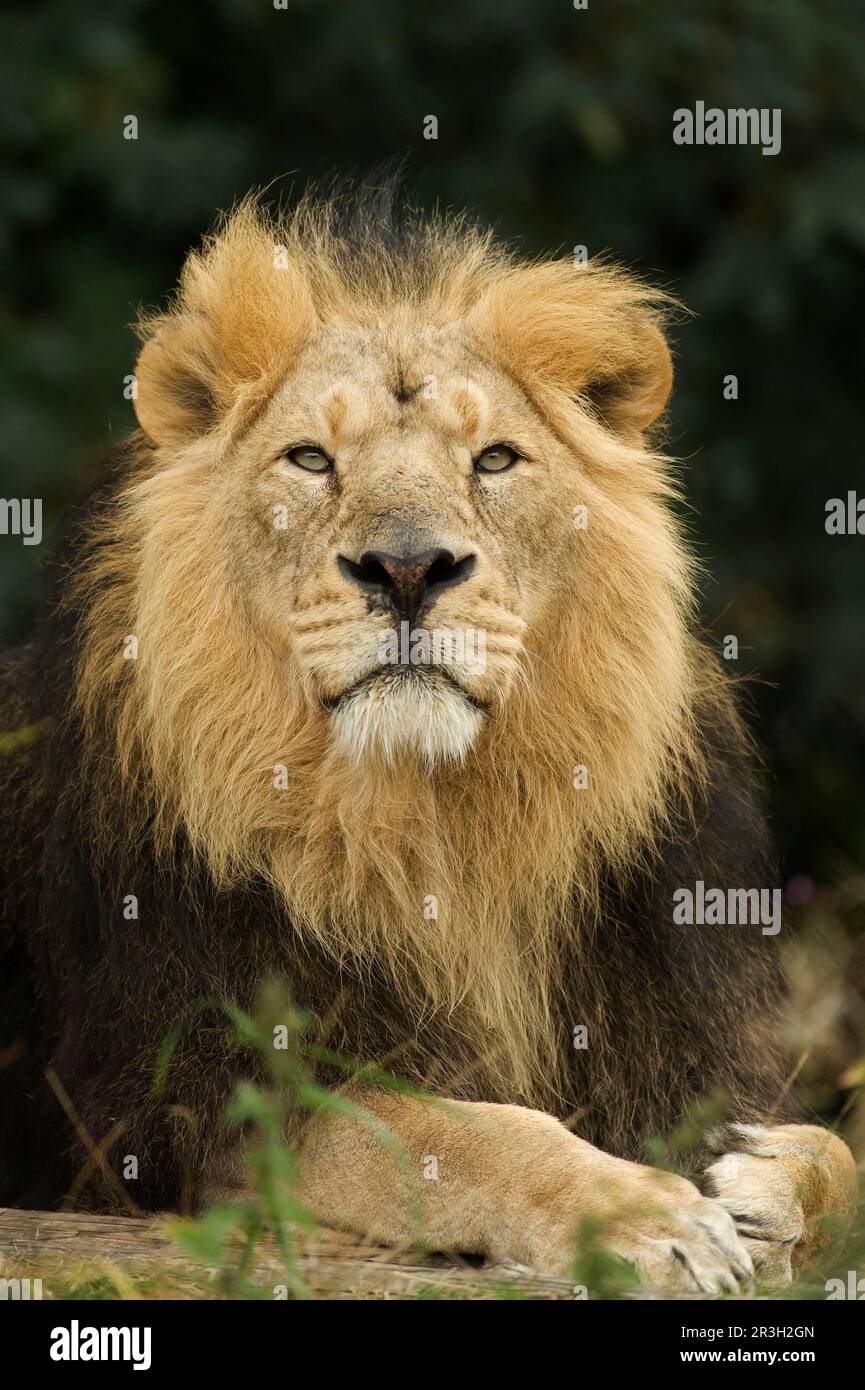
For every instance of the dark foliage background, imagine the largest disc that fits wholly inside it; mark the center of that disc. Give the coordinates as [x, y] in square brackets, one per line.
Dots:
[555, 124]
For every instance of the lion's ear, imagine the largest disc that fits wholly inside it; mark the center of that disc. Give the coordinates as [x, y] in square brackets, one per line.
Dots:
[632, 396]
[592, 331]
[174, 399]
[242, 310]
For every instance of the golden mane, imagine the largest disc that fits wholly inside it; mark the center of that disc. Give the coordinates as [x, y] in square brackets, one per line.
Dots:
[457, 883]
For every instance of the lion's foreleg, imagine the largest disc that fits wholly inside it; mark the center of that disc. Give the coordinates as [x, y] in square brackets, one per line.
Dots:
[509, 1183]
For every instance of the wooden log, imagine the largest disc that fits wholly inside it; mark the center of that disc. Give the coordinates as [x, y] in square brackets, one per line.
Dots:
[139, 1257]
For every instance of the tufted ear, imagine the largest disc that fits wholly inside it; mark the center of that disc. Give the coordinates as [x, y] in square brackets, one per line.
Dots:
[592, 331]
[242, 310]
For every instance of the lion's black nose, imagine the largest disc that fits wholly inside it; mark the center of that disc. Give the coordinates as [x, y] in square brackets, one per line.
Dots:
[407, 583]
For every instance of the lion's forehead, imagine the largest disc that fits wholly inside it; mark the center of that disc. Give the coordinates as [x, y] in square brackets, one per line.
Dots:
[359, 376]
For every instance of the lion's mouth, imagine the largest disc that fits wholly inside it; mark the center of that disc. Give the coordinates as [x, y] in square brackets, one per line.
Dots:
[399, 679]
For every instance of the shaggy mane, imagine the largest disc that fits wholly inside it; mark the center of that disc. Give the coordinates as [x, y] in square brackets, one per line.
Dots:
[184, 740]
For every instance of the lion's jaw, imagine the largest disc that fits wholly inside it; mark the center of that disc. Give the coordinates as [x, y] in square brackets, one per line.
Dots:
[408, 712]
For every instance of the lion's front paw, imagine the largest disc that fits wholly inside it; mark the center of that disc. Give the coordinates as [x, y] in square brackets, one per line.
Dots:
[790, 1189]
[659, 1223]
[676, 1238]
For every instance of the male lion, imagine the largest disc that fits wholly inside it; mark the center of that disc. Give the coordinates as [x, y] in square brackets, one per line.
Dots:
[273, 752]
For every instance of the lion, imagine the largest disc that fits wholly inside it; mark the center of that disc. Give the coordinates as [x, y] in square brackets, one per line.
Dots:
[372, 666]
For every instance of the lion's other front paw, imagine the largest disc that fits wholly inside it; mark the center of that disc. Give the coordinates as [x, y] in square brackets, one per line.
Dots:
[659, 1223]
[791, 1190]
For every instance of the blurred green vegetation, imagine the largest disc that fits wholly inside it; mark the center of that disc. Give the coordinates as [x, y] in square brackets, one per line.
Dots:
[556, 125]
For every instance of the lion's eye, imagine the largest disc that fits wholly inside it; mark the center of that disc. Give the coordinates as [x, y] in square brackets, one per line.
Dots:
[496, 459]
[312, 459]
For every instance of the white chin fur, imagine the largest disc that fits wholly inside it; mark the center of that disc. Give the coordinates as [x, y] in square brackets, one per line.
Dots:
[392, 718]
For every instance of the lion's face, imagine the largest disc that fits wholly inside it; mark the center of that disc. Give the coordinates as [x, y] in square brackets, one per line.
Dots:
[366, 485]
[404, 507]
